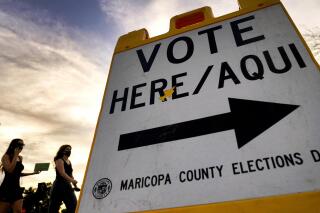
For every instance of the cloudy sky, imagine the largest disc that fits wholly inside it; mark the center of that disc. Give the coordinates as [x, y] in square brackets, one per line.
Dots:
[54, 61]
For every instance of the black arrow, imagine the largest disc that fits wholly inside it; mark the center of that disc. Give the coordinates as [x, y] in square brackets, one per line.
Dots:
[248, 118]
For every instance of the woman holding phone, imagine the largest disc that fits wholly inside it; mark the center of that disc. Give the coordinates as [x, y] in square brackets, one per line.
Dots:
[10, 190]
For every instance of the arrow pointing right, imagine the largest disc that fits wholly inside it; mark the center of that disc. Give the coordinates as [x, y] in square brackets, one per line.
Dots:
[247, 117]
[251, 118]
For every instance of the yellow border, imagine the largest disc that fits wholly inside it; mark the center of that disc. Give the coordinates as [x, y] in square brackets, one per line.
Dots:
[293, 203]
[94, 137]
[307, 202]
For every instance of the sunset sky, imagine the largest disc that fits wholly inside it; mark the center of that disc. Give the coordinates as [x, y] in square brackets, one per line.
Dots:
[54, 61]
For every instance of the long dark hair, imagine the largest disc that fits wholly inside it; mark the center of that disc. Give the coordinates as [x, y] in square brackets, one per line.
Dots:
[12, 146]
[60, 152]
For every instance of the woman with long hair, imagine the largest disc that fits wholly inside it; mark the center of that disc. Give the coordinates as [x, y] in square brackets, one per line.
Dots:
[61, 188]
[10, 190]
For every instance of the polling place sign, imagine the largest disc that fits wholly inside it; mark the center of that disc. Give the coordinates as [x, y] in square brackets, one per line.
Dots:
[223, 112]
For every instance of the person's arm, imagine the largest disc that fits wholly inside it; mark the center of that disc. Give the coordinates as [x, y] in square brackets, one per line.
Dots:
[8, 165]
[76, 188]
[29, 173]
[60, 169]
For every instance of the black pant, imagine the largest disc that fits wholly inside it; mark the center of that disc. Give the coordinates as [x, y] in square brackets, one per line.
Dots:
[62, 191]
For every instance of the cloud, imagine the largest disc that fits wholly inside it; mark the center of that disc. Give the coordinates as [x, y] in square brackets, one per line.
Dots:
[155, 15]
[52, 82]
[305, 14]
[312, 38]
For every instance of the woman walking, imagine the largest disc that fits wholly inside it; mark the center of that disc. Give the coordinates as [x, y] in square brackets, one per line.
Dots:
[62, 189]
[10, 190]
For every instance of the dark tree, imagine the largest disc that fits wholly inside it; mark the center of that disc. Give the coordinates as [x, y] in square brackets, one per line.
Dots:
[37, 200]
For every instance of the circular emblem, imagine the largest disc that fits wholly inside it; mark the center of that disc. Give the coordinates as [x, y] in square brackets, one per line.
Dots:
[102, 188]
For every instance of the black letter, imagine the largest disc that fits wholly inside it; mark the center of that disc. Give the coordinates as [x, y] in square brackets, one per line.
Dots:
[123, 99]
[167, 179]
[159, 90]
[258, 166]
[237, 32]
[284, 56]
[178, 84]
[211, 38]
[161, 178]
[203, 79]
[124, 185]
[254, 75]
[297, 55]
[299, 160]
[234, 167]
[180, 176]
[225, 67]
[146, 65]
[147, 184]
[315, 155]
[134, 95]
[137, 184]
[170, 56]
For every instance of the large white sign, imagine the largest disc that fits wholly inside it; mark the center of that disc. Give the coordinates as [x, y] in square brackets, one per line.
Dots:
[226, 112]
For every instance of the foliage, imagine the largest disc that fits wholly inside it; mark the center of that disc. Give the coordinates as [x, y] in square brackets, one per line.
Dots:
[37, 200]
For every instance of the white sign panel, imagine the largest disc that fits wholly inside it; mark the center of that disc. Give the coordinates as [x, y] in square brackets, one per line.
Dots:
[226, 112]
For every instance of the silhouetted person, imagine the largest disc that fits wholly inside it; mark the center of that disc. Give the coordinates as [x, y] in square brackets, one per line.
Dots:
[61, 188]
[10, 190]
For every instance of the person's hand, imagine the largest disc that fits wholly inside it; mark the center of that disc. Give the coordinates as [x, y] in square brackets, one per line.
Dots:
[17, 152]
[74, 182]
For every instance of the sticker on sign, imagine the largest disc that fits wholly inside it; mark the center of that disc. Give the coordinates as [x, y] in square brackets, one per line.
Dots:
[224, 112]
